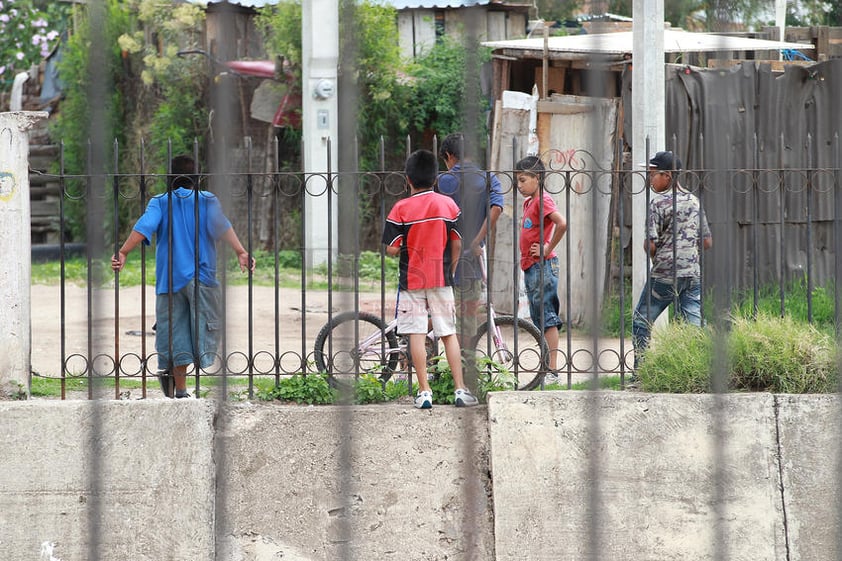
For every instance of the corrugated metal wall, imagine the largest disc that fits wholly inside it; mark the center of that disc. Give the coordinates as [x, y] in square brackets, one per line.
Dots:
[762, 149]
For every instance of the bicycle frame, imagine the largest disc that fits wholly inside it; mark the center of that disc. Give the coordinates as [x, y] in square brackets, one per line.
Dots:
[496, 337]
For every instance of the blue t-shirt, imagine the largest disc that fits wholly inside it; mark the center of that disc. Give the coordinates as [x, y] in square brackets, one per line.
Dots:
[212, 225]
[475, 191]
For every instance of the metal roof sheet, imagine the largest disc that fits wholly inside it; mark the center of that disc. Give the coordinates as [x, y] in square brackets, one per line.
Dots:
[407, 4]
[675, 41]
[397, 4]
[245, 3]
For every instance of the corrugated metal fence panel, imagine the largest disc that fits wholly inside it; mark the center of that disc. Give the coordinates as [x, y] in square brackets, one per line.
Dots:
[748, 118]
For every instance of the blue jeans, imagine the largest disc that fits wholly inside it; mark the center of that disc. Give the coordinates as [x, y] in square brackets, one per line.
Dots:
[546, 293]
[656, 297]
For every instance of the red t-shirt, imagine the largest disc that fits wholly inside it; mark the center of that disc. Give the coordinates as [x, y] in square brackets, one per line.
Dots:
[422, 226]
[530, 231]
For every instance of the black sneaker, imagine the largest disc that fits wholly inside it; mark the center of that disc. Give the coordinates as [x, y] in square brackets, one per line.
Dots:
[181, 394]
[167, 383]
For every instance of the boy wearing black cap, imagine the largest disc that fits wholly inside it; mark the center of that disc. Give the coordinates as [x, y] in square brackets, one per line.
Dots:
[675, 227]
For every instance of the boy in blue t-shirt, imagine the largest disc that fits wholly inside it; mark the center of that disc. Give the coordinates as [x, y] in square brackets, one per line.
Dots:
[178, 300]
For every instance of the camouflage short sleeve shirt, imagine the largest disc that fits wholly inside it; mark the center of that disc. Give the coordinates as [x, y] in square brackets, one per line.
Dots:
[691, 225]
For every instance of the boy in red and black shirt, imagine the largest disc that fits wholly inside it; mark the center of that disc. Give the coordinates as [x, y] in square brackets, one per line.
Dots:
[422, 229]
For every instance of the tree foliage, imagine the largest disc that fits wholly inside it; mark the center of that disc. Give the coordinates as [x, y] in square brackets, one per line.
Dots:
[553, 10]
[28, 32]
[705, 15]
[813, 12]
[438, 100]
[396, 98]
[154, 96]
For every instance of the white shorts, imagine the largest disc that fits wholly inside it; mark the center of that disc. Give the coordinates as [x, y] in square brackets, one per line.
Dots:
[416, 307]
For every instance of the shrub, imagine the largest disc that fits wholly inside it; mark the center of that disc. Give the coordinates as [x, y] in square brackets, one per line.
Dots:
[491, 377]
[27, 34]
[678, 360]
[769, 353]
[781, 355]
[312, 390]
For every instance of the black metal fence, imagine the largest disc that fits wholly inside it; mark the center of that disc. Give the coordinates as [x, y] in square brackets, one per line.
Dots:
[774, 231]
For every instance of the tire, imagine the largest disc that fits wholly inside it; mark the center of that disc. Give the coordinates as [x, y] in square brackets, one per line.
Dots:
[335, 352]
[530, 364]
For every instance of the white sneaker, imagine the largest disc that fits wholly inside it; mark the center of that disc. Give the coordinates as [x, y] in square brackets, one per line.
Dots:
[550, 378]
[424, 400]
[464, 398]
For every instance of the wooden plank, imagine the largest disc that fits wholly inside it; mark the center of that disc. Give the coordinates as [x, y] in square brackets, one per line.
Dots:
[555, 80]
[44, 208]
[776, 65]
[822, 46]
[584, 140]
[562, 108]
[494, 160]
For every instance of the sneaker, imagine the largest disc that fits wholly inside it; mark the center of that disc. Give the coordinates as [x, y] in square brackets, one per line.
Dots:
[424, 400]
[464, 398]
[181, 394]
[550, 378]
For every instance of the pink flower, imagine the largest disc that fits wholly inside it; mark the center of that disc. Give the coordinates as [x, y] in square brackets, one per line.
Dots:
[19, 55]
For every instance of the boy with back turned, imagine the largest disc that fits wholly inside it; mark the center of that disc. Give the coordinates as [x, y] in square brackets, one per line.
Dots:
[422, 230]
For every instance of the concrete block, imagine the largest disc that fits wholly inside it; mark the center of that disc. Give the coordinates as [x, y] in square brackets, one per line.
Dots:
[608, 475]
[138, 475]
[372, 482]
[811, 474]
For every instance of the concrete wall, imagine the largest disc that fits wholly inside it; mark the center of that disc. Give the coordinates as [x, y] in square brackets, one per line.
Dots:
[538, 475]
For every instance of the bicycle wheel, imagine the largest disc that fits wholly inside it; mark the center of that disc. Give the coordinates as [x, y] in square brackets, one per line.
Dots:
[356, 343]
[528, 360]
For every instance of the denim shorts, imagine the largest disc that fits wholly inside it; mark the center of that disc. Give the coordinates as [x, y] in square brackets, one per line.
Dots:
[184, 306]
[546, 293]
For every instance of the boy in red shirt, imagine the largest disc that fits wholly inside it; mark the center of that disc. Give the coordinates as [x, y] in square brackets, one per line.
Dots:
[538, 211]
[422, 230]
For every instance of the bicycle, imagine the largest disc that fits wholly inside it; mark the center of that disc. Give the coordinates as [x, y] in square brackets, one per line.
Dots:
[354, 343]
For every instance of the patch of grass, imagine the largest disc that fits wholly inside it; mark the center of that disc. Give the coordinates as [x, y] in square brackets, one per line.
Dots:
[678, 360]
[795, 303]
[491, 377]
[41, 386]
[768, 353]
[605, 383]
[781, 355]
[611, 312]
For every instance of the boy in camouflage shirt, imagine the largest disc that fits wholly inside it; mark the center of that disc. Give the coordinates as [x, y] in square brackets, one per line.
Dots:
[675, 274]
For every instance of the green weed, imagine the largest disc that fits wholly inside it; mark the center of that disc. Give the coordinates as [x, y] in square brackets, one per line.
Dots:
[313, 389]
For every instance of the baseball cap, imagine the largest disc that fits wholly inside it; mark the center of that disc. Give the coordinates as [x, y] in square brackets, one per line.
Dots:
[665, 161]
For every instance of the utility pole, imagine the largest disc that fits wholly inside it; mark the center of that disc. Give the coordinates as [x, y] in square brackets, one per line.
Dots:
[648, 119]
[320, 56]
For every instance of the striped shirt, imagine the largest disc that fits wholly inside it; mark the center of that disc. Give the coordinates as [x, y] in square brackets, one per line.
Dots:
[422, 226]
